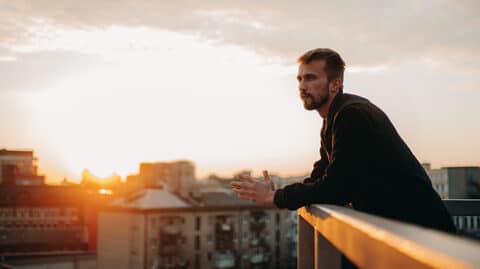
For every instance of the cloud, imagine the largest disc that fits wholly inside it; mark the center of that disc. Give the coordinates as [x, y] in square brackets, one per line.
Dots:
[366, 33]
[423, 50]
[34, 71]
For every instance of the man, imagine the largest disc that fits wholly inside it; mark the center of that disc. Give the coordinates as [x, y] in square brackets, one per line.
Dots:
[364, 162]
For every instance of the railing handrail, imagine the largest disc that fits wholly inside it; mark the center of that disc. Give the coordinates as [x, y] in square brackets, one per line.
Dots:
[376, 242]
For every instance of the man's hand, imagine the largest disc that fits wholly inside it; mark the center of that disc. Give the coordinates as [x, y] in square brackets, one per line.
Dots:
[257, 192]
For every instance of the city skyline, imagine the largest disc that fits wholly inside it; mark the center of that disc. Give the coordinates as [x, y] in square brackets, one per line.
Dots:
[107, 86]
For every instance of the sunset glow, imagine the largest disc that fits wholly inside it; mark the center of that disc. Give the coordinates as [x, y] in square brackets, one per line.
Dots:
[219, 88]
[105, 192]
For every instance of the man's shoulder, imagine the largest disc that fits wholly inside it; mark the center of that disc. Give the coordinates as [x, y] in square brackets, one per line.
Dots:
[356, 112]
[362, 113]
[349, 99]
[355, 104]
[352, 106]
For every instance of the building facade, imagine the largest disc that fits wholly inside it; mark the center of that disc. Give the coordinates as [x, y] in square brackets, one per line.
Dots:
[230, 234]
[176, 176]
[45, 219]
[455, 182]
[18, 167]
[458, 183]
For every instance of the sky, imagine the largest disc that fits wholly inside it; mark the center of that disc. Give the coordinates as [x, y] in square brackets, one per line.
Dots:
[105, 85]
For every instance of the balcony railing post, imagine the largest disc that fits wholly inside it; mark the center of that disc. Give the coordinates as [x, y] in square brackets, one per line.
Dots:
[305, 244]
[326, 255]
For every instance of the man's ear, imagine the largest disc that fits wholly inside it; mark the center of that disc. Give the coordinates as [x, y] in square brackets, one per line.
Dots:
[334, 85]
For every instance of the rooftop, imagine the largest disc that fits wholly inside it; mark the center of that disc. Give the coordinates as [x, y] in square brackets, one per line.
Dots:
[150, 199]
[18, 153]
[222, 197]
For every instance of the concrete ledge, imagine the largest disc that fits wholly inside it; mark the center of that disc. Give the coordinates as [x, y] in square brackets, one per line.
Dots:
[375, 242]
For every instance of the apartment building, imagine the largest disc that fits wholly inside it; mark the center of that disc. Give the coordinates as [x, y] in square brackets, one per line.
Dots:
[18, 167]
[176, 176]
[46, 219]
[157, 229]
[461, 182]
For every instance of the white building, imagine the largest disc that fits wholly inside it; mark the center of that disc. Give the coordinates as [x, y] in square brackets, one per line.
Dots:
[156, 229]
[458, 183]
[462, 182]
[439, 178]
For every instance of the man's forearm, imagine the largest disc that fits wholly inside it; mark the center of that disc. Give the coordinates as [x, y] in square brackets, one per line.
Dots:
[290, 196]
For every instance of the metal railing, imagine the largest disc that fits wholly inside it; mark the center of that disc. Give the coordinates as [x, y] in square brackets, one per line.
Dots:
[325, 232]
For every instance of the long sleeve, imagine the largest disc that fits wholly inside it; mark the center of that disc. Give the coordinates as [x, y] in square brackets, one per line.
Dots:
[318, 168]
[350, 139]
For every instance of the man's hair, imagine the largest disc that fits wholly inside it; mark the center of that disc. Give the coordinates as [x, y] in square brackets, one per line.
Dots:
[334, 64]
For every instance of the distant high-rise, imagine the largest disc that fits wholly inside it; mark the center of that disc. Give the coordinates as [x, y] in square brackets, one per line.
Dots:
[456, 182]
[182, 178]
[177, 176]
[154, 174]
[463, 182]
[18, 167]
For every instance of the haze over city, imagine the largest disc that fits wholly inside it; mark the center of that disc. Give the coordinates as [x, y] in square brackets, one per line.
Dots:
[105, 86]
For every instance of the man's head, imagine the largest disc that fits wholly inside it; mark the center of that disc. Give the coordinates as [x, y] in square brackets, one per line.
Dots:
[320, 77]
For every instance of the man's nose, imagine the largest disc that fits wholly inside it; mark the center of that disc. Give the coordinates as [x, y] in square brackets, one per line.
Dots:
[301, 86]
[302, 89]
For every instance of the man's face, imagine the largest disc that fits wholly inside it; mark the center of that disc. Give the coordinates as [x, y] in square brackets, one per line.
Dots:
[313, 84]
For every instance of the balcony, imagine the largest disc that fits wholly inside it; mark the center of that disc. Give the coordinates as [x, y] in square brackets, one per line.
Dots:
[259, 255]
[327, 231]
[224, 260]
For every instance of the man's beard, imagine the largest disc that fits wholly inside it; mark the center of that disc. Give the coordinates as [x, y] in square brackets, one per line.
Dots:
[315, 104]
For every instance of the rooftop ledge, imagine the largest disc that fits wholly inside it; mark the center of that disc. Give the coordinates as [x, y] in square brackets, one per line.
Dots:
[326, 231]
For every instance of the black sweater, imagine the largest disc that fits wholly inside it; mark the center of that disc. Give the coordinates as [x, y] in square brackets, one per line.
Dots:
[365, 162]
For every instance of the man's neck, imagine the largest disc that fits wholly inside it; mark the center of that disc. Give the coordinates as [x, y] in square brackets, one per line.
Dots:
[323, 110]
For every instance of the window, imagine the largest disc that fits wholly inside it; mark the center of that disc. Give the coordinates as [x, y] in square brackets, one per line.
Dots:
[197, 261]
[209, 239]
[197, 223]
[197, 242]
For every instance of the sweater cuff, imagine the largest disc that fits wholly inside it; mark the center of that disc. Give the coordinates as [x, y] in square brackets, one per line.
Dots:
[278, 199]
